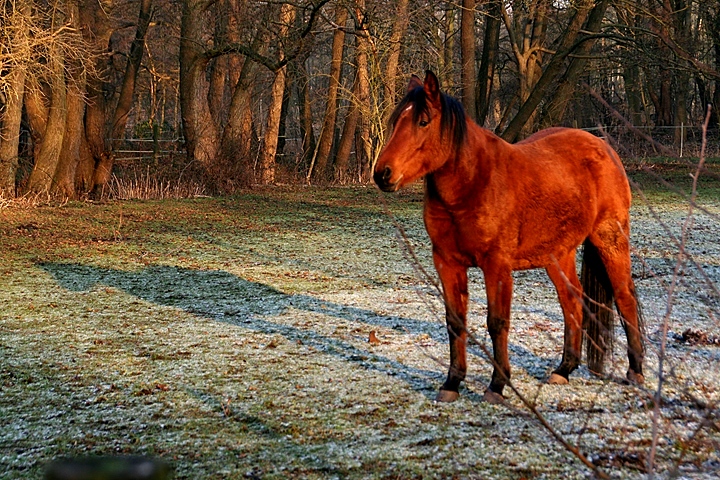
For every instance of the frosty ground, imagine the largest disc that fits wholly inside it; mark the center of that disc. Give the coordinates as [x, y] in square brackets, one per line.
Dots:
[288, 333]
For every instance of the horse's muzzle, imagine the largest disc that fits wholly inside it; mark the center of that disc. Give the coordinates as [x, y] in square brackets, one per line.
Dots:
[382, 179]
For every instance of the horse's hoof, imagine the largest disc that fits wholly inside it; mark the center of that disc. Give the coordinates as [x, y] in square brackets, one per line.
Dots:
[446, 396]
[493, 398]
[636, 378]
[557, 379]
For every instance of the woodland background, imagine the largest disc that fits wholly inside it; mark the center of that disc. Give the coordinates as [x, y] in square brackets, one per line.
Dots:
[216, 95]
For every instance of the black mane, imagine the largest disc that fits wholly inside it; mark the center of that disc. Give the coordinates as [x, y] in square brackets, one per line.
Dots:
[452, 116]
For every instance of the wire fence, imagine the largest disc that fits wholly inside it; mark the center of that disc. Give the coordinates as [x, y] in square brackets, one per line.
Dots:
[167, 159]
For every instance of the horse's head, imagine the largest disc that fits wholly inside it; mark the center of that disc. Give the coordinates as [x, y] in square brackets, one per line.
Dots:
[427, 126]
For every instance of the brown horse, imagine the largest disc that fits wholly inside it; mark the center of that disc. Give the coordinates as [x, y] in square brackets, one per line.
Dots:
[503, 207]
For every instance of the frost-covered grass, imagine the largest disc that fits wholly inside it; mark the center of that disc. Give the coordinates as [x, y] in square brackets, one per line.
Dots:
[230, 337]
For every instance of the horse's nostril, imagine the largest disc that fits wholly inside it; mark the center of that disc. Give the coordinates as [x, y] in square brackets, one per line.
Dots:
[382, 177]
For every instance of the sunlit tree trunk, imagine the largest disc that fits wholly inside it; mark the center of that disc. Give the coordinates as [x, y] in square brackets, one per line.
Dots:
[565, 46]
[267, 164]
[327, 133]
[64, 179]
[18, 22]
[200, 131]
[238, 145]
[48, 154]
[486, 73]
[400, 26]
[225, 70]
[467, 55]
[10, 120]
[357, 110]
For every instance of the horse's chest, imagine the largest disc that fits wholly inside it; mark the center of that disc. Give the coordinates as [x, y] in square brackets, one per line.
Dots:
[461, 237]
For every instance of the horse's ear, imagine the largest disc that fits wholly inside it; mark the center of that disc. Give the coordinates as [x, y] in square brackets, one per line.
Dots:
[432, 88]
[415, 82]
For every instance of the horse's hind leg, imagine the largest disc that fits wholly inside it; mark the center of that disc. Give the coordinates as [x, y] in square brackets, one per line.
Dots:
[613, 246]
[564, 276]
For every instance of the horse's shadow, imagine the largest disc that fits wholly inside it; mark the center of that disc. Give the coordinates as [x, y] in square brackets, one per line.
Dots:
[224, 297]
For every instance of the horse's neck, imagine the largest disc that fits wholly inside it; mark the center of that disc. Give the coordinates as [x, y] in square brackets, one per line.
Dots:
[469, 169]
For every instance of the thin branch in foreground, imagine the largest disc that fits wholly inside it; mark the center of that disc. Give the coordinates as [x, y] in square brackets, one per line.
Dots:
[539, 417]
[681, 258]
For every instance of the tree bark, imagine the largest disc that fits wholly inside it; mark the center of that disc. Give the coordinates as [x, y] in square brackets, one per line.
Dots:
[11, 99]
[200, 131]
[555, 111]
[10, 121]
[64, 180]
[551, 72]
[125, 101]
[467, 55]
[357, 110]
[400, 26]
[267, 165]
[486, 73]
[48, 155]
[239, 141]
[306, 118]
[327, 133]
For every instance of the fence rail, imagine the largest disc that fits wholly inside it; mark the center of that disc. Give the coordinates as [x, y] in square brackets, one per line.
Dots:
[626, 140]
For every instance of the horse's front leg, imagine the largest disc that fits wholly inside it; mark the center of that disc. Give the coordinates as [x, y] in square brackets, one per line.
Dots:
[455, 292]
[499, 285]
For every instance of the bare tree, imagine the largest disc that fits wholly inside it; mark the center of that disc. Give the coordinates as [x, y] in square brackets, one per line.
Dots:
[467, 54]
[488, 59]
[327, 133]
[266, 172]
[357, 110]
[16, 38]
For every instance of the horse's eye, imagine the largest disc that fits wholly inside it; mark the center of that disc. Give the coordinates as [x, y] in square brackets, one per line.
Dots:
[423, 123]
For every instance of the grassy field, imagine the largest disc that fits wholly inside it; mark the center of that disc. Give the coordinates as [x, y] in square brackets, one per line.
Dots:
[284, 333]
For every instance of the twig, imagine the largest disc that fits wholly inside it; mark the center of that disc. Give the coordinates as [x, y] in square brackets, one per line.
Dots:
[671, 290]
[574, 450]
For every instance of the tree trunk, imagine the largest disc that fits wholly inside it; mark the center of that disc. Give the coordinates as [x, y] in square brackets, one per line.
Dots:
[555, 111]
[467, 55]
[446, 46]
[357, 110]
[239, 141]
[682, 25]
[306, 120]
[225, 70]
[491, 44]
[127, 91]
[266, 173]
[10, 130]
[198, 126]
[400, 26]
[347, 138]
[327, 133]
[64, 180]
[48, 155]
[551, 72]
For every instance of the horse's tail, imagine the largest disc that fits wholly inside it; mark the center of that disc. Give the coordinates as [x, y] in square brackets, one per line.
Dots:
[598, 315]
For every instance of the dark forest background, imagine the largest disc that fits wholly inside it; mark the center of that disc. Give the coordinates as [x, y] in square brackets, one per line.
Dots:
[212, 96]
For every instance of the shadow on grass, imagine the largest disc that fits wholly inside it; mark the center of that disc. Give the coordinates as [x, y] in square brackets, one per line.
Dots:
[224, 297]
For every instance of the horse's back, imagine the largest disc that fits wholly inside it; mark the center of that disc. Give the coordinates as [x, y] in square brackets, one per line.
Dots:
[567, 183]
[579, 157]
